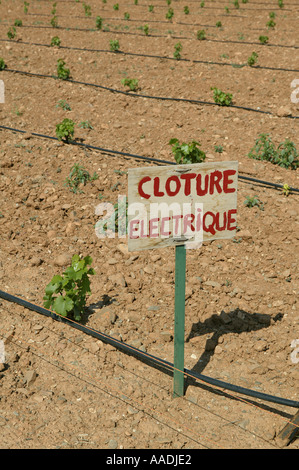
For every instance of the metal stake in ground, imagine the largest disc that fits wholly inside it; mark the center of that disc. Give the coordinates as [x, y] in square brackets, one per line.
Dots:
[179, 320]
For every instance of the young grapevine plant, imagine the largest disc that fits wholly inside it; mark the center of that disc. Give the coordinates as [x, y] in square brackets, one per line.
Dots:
[2, 64]
[67, 294]
[224, 99]
[78, 176]
[65, 130]
[132, 83]
[55, 41]
[62, 72]
[187, 153]
[285, 155]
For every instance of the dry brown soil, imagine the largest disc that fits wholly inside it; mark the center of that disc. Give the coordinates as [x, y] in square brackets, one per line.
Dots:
[60, 388]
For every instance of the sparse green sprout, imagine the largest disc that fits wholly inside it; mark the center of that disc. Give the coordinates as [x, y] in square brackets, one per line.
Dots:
[177, 51]
[285, 155]
[62, 72]
[264, 148]
[186, 10]
[26, 5]
[78, 176]
[288, 156]
[127, 16]
[151, 8]
[201, 34]
[87, 9]
[226, 10]
[114, 45]
[63, 105]
[85, 125]
[218, 148]
[135, 2]
[187, 153]
[252, 59]
[236, 4]
[168, 2]
[146, 29]
[65, 130]
[272, 15]
[116, 6]
[263, 39]
[224, 99]
[202, 4]
[67, 294]
[99, 22]
[286, 190]
[11, 33]
[218, 24]
[132, 83]
[18, 23]
[2, 64]
[54, 22]
[55, 41]
[271, 24]
[253, 201]
[120, 220]
[169, 14]
[280, 3]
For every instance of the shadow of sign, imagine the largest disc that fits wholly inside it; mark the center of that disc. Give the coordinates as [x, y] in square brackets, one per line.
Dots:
[235, 321]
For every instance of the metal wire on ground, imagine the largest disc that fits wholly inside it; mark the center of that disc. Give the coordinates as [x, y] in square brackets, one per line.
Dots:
[135, 404]
[148, 358]
[90, 379]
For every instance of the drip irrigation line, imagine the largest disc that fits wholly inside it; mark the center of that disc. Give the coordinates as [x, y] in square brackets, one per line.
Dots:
[284, 416]
[207, 7]
[140, 95]
[113, 392]
[190, 1]
[253, 43]
[137, 54]
[162, 36]
[131, 20]
[146, 357]
[181, 23]
[144, 158]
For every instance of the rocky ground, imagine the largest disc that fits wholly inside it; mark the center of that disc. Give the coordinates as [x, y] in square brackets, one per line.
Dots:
[60, 388]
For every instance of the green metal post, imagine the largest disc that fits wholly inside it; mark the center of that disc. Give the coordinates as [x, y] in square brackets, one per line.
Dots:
[179, 320]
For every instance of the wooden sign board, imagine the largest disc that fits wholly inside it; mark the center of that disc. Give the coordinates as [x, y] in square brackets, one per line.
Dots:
[181, 204]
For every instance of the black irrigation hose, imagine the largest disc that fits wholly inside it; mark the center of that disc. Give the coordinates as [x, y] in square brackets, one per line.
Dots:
[131, 20]
[148, 358]
[163, 36]
[206, 7]
[252, 43]
[139, 95]
[190, 1]
[136, 54]
[141, 157]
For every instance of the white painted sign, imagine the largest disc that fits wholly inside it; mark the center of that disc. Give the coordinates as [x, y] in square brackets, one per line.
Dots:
[181, 204]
